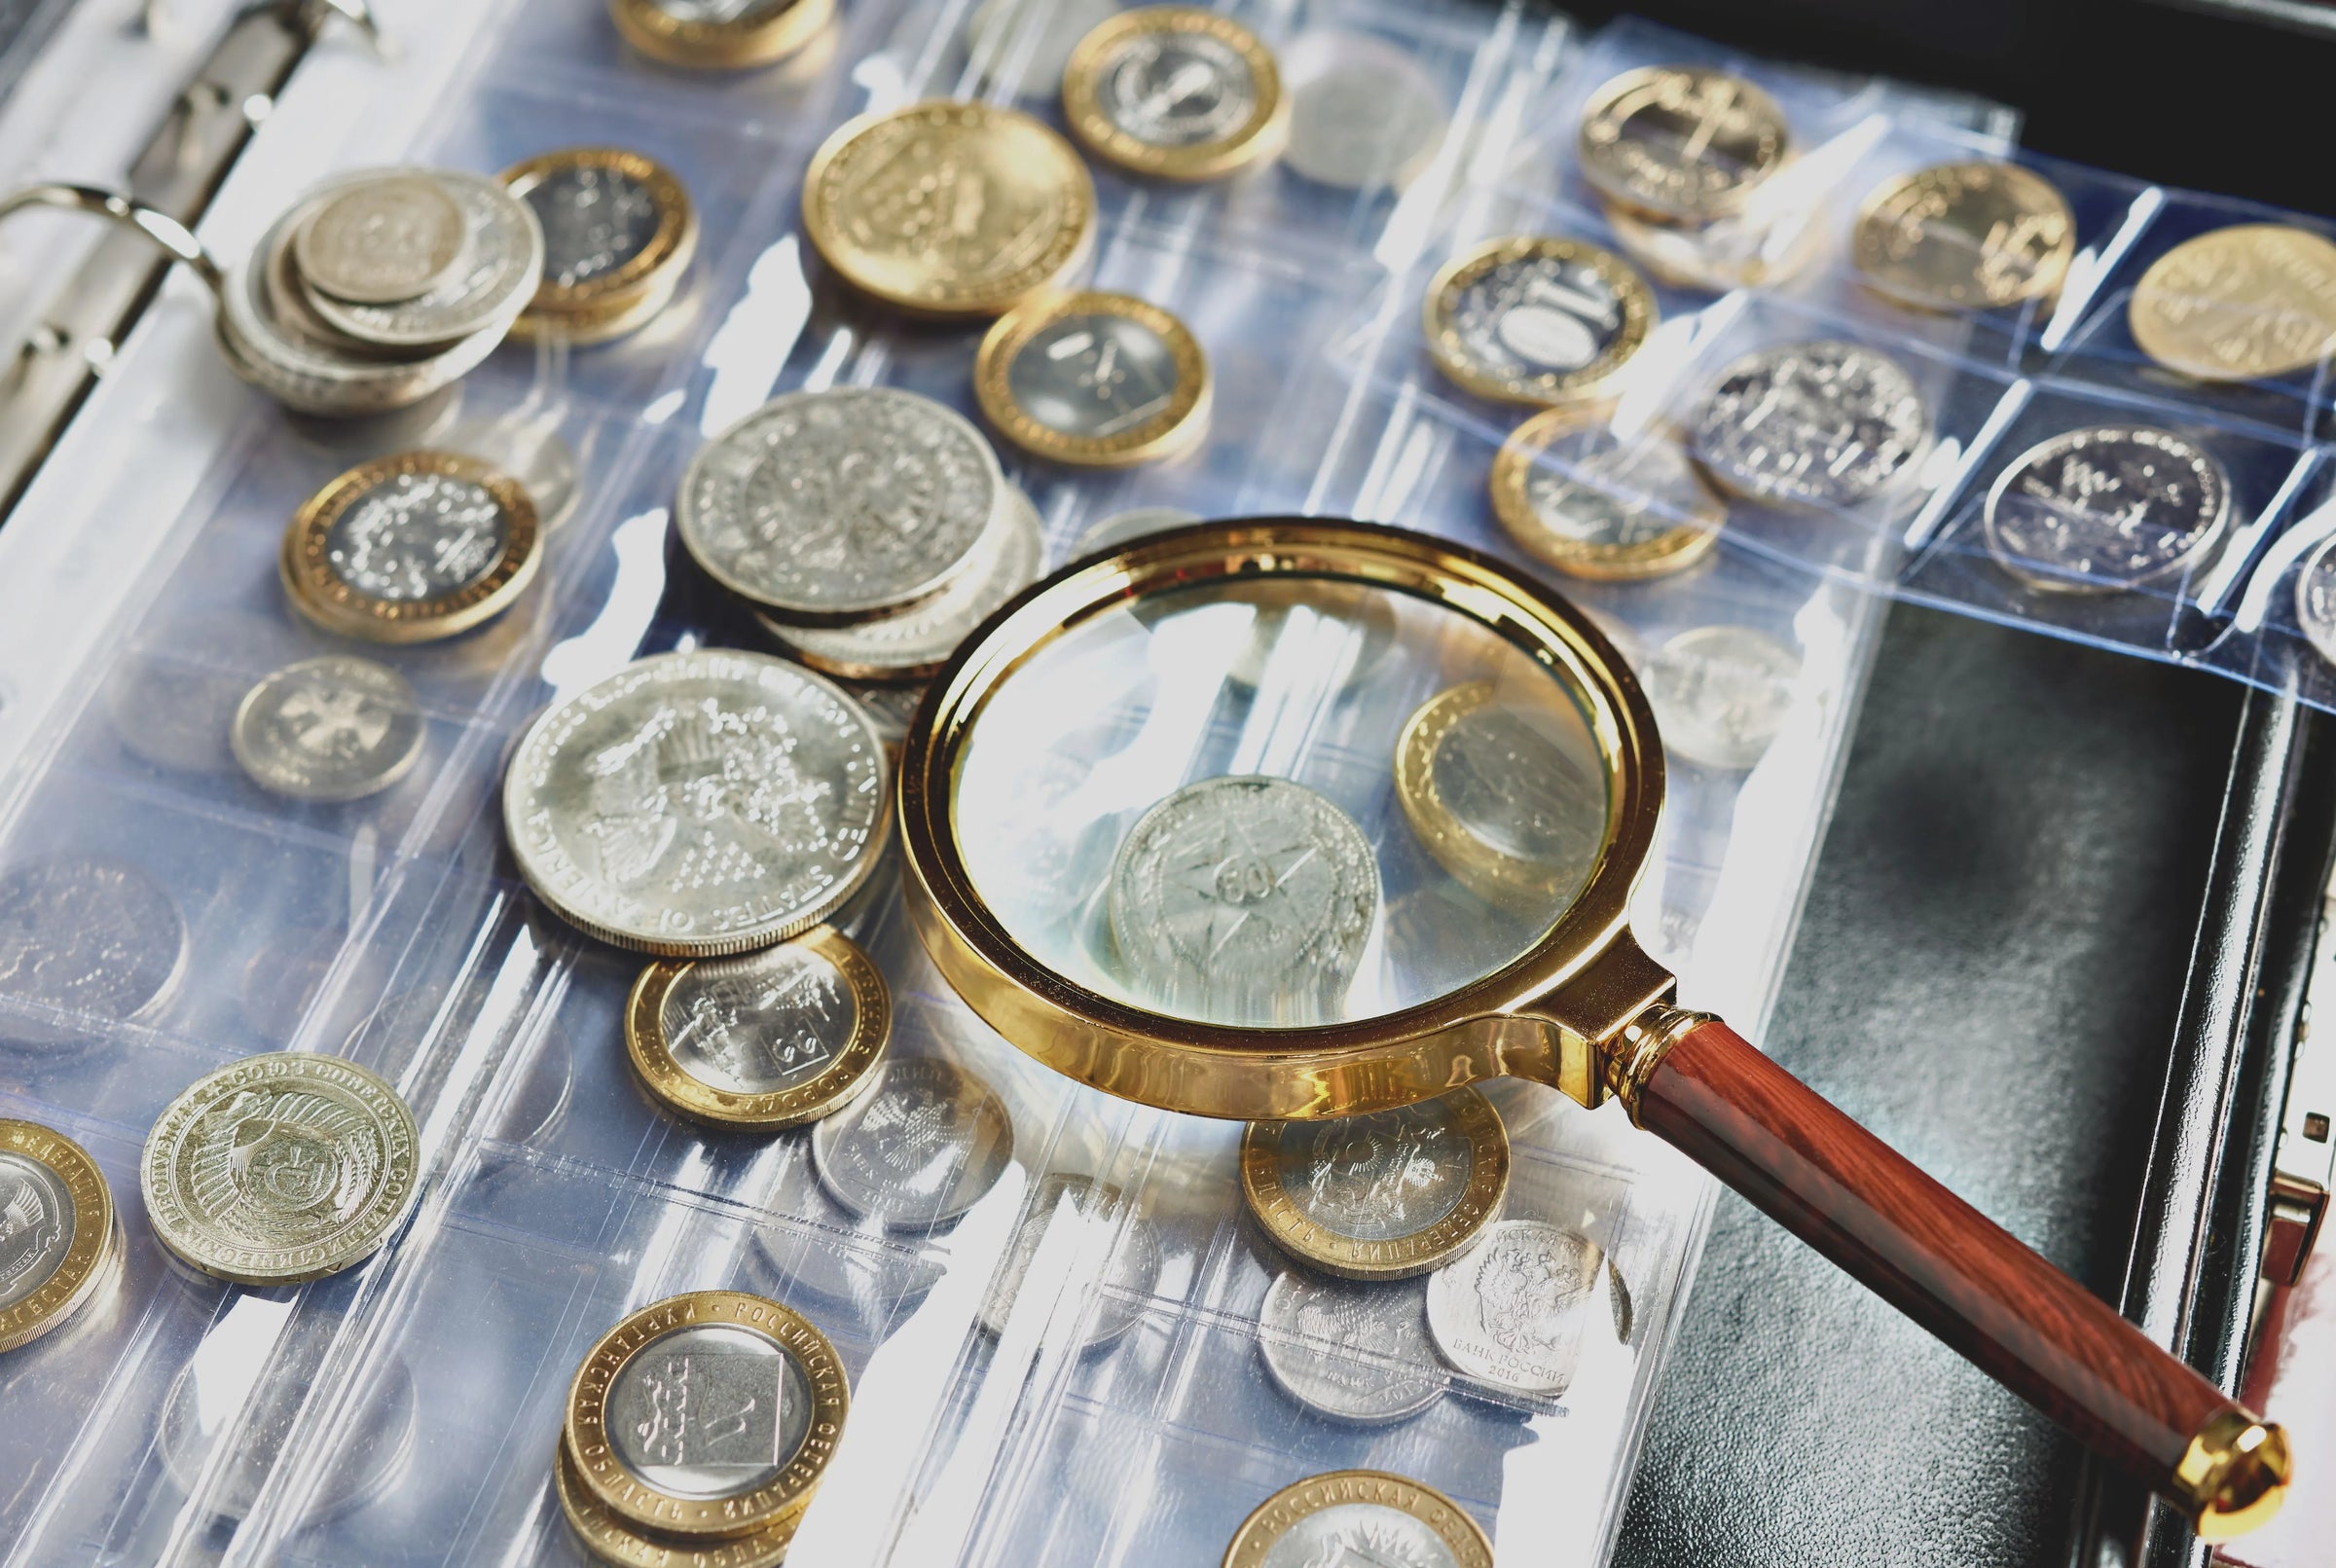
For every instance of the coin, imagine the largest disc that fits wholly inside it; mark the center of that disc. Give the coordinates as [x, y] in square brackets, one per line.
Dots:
[1511, 802]
[1749, 249]
[411, 548]
[1599, 507]
[1093, 378]
[56, 1230]
[1822, 426]
[1245, 900]
[366, 1458]
[2105, 509]
[708, 1415]
[698, 804]
[840, 505]
[1354, 1350]
[2252, 301]
[280, 1168]
[174, 712]
[1510, 1313]
[949, 210]
[721, 35]
[611, 1539]
[388, 238]
[1680, 142]
[619, 231]
[1025, 44]
[1359, 1517]
[1963, 237]
[333, 728]
[1533, 319]
[1122, 527]
[84, 942]
[1176, 93]
[1089, 1220]
[500, 269]
[925, 1143]
[1363, 114]
[773, 1038]
[1381, 1196]
[1722, 694]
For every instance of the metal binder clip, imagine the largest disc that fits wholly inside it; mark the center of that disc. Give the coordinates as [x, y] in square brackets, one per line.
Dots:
[312, 17]
[172, 235]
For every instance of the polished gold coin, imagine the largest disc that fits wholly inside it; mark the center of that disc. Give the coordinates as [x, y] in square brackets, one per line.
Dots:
[611, 1539]
[773, 1038]
[2238, 303]
[1383, 1197]
[1744, 250]
[619, 232]
[411, 548]
[709, 1414]
[1965, 237]
[1594, 506]
[726, 37]
[1359, 1516]
[1536, 319]
[1098, 379]
[949, 210]
[58, 1246]
[1681, 144]
[1176, 93]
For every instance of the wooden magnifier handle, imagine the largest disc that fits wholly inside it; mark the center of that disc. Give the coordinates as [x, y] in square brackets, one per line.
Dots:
[1943, 1264]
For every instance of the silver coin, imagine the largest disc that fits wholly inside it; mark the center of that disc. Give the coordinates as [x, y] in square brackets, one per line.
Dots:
[499, 273]
[697, 804]
[1177, 89]
[917, 1150]
[2315, 598]
[1245, 900]
[1508, 1313]
[1360, 1535]
[1025, 43]
[763, 1023]
[595, 219]
[1536, 318]
[2099, 510]
[97, 939]
[1380, 1177]
[537, 459]
[1827, 425]
[840, 504]
[1362, 114]
[173, 713]
[1354, 1350]
[384, 238]
[1090, 1217]
[1134, 523]
[1588, 489]
[1094, 375]
[38, 1219]
[416, 536]
[1722, 694]
[367, 1456]
[1519, 793]
[334, 728]
[711, 1410]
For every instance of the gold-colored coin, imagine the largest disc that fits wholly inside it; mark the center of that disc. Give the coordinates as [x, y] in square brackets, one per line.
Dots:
[60, 1248]
[2238, 303]
[411, 548]
[1593, 506]
[1536, 319]
[1362, 1515]
[1681, 144]
[734, 37]
[1098, 379]
[610, 1539]
[773, 1038]
[1176, 93]
[619, 233]
[1383, 1197]
[1743, 250]
[1965, 237]
[773, 1373]
[949, 210]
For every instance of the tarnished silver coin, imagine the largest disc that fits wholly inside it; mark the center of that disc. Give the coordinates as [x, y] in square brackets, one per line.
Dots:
[1354, 1350]
[840, 505]
[919, 1149]
[2100, 510]
[1828, 425]
[384, 238]
[197, 1418]
[2315, 598]
[1509, 1314]
[697, 804]
[1177, 88]
[280, 1168]
[1721, 694]
[1099, 1237]
[1025, 43]
[1134, 523]
[333, 728]
[1244, 900]
[95, 942]
[1363, 114]
[498, 274]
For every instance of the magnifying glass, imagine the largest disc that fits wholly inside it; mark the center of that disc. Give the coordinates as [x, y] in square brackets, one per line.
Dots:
[1293, 818]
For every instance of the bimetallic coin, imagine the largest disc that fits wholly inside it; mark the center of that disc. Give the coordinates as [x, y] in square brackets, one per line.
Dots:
[721, 35]
[1244, 900]
[1510, 1313]
[1177, 93]
[390, 237]
[1359, 1517]
[2105, 509]
[699, 804]
[56, 1230]
[411, 548]
[1025, 44]
[773, 1038]
[1122, 527]
[333, 728]
[1965, 237]
[1593, 506]
[1721, 694]
[611, 1539]
[709, 1414]
[1681, 142]
[1112, 1250]
[500, 266]
[949, 210]
[280, 1168]
[618, 229]
[83, 943]
[1512, 803]
[841, 506]
[1364, 116]
[2240, 304]
[1382, 1196]
[1353, 1350]
[1536, 320]
[1821, 426]
[925, 1143]
[1093, 378]
[366, 1458]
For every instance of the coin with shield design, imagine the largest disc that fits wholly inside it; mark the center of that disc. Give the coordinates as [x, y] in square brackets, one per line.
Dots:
[1510, 1314]
[329, 729]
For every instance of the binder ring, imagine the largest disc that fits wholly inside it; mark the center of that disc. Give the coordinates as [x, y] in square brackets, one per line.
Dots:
[173, 236]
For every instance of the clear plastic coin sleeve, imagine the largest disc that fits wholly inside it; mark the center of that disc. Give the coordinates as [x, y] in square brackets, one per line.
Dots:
[1060, 1408]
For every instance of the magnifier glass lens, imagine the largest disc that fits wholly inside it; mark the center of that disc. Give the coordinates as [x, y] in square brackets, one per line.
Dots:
[1280, 803]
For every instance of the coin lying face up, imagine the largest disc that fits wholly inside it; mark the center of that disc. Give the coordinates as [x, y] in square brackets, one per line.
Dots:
[1359, 1516]
[2252, 301]
[2106, 509]
[1820, 426]
[331, 729]
[383, 241]
[1965, 237]
[1509, 801]
[83, 943]
[1535, 319]
[1593, 505]
[1681, 144]
[1354, 1350]
[618, 235]
[58, 1239]
[1092, 1226]
[1722, 694]
[1511, 1314]
[720, 35]
[1093, 378]
[1177, 93]
[925, 1143]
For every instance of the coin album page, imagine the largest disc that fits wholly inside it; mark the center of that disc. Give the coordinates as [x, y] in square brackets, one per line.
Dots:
[1121, 1393]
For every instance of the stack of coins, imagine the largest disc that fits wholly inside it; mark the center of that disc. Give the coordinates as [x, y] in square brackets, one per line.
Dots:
[728, 35]
[377, 290]
[619, 233]
[61, 1244]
